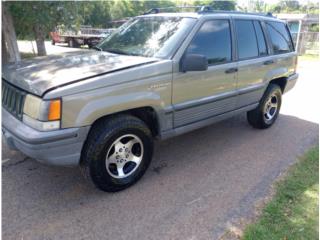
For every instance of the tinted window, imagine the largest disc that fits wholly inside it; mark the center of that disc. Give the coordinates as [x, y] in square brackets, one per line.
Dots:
[281, 42]
[261, 40]
[213, 40]
[246, 39]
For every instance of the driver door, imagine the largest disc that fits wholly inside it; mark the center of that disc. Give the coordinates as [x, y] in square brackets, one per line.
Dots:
[204, 94]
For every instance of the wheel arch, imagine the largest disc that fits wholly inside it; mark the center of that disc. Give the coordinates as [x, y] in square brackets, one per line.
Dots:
[281, 82]
[146, 114]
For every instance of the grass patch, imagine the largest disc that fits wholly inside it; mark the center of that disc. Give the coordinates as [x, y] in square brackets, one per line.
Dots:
[308, 57]
[293, 212]
[27, 55]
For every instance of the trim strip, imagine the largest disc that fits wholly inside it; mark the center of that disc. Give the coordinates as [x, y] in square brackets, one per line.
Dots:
[204, 122]
[217, 115]
[252, 88]
[211, 99]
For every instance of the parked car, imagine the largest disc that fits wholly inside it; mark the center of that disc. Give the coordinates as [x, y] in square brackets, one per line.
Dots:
[159, 75]
[85, 36]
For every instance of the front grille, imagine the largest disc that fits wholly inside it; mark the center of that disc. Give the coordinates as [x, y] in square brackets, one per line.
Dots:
[13, 99]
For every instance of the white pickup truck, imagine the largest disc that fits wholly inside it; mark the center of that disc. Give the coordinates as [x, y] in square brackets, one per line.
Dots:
[85, 36]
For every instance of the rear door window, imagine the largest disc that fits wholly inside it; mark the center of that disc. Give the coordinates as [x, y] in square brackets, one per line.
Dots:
[246, 39]
[280, 38]
[262, 46]
[213, 40]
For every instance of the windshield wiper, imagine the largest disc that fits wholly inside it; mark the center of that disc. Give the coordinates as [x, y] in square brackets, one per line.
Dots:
[117, 51]
[97, 48]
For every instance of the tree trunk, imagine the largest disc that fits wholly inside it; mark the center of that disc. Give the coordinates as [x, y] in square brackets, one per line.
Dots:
[5, 54]
[40, 38]
[10, 50]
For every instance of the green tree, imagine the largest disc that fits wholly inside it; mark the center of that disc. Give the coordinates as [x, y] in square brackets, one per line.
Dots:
[126, 8]
[119, 9]
[223, 5]
[293, 7]
[95, 13]
[310, 8]
[228, 5]
[289, 6]
[259, 6]
[36, 19]
[202, 3]
[160, 4]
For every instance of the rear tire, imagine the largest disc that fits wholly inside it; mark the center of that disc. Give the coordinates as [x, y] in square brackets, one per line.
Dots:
[72, 43]
[117, 152]
[268, 109]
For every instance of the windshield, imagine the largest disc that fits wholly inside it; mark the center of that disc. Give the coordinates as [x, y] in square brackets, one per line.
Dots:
[148, 36]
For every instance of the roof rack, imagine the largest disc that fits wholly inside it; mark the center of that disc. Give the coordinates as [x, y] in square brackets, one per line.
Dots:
[209, 9]
[204, 10]
[164, 9]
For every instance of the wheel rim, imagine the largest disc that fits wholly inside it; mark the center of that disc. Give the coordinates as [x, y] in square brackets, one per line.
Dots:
[271, 108]
[124, 156]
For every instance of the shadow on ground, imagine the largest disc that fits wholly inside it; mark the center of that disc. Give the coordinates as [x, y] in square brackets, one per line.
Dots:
[196, 184]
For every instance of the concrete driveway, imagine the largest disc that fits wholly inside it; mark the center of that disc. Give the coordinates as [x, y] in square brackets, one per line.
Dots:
[197, 184]
[31, 47]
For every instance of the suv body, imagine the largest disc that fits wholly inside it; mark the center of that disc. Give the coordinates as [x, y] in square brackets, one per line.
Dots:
[190, 84]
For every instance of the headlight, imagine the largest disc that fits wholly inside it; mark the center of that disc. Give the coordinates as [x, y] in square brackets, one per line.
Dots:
[43, 115]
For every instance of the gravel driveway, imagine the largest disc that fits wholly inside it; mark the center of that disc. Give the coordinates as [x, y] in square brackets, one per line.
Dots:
[196, 186]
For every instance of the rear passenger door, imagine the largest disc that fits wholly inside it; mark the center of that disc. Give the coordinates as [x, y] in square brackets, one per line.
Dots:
[254, 61]
[282, 47]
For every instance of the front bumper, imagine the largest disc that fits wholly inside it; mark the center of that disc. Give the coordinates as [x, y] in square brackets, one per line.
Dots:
[61, 147]
[291, 82]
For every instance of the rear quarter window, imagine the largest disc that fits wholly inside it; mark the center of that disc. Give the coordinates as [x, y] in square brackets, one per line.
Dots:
[280, 38]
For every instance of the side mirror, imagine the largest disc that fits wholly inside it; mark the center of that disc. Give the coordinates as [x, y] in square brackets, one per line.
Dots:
[194, 62]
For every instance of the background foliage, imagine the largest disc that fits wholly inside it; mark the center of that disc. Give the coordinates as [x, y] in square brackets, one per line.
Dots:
[101, 13]
[33, 20]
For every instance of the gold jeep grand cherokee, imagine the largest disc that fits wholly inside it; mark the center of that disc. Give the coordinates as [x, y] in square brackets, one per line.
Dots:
[159, 75]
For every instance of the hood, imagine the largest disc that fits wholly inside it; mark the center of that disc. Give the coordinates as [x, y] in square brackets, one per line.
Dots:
[39, 75]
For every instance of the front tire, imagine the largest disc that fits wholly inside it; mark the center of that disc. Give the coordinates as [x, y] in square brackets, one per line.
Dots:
[117, 152]
[268, 109]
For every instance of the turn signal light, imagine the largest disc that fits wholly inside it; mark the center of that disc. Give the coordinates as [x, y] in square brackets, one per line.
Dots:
[54, 110]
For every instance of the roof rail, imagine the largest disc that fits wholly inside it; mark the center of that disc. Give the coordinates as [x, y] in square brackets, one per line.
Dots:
[209, 9]
[205, 9]
[158, 10]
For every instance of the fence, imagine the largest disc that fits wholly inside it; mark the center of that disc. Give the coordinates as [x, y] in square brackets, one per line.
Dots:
[309, 43]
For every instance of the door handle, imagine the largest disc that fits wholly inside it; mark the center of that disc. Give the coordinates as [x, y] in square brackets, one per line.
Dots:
[268, 62]
[231, 70]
